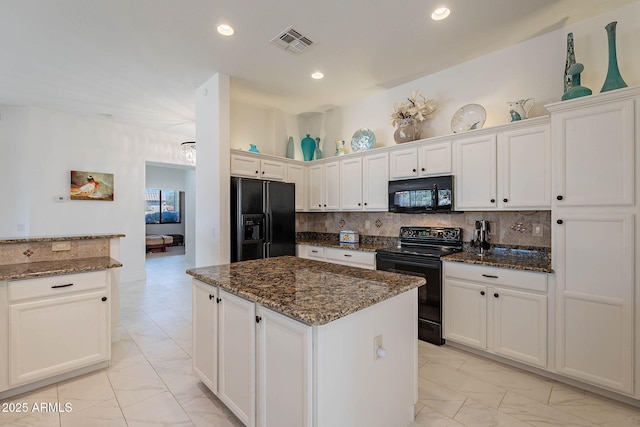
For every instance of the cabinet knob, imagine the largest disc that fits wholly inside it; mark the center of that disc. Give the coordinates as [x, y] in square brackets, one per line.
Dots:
[559, 197]
[257, 172]
[325, 206]
[413, 170]
[560, 221]
[319, 206]
[104, 299]
[262, 172]
[422, 169]
[258, 319]
[496, 295]
[481, 292]
[493, 200]
[218, 300]
[359, 204]
[365, 203]
[211, 296]
[505, 200]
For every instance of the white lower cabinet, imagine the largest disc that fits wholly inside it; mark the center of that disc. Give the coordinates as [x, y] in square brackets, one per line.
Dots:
[258, 390]
[350, 257]
[57, 325]
[498, 310]
[284, 371]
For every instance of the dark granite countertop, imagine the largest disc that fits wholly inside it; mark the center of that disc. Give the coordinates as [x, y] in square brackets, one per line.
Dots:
[312, 292]
[506, 258]
[11, 240]
[30, 270]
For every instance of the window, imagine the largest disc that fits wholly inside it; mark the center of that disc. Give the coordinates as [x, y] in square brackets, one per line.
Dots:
[162, 206]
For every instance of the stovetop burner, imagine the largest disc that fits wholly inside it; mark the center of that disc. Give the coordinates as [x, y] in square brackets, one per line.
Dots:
[431, 242]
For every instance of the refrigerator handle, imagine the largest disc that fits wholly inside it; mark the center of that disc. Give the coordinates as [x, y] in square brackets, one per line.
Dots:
[268, 225]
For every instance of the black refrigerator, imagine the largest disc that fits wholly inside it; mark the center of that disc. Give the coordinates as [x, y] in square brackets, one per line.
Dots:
[263, 218]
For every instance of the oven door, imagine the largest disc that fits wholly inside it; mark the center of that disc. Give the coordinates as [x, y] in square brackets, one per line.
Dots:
[429, 295]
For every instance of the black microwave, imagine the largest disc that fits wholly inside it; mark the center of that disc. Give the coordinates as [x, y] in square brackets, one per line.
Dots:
[422, 195]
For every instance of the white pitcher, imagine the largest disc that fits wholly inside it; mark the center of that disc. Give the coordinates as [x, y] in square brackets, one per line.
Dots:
[518, 110]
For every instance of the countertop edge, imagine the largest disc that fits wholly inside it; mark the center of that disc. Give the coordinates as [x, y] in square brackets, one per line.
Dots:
[14, 240]
[510, 266]
[99, 265]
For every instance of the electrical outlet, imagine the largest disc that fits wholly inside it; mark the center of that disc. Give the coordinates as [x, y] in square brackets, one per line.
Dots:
[60, 246]
[377, 343]
[61, 198]
[536, 230]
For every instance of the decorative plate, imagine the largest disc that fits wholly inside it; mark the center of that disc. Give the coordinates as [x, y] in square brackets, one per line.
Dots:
[363, 140]
[469, 117]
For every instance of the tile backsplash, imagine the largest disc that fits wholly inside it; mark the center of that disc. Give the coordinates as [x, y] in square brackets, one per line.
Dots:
[507, 228]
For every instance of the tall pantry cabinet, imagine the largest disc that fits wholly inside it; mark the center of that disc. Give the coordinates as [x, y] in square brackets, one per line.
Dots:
[595, 240]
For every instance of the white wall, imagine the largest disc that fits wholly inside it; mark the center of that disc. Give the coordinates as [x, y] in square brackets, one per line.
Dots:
[39, 147]
[532, 69]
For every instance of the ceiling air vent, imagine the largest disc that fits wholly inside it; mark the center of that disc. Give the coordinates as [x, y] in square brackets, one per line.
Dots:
[292, 41]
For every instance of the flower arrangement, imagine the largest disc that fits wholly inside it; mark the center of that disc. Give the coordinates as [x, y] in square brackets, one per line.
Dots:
[415, 107]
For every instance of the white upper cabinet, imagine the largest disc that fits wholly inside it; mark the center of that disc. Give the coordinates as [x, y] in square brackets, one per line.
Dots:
[364, 182]
[297, 174]
[324, 186]
[505, 170]
[524, 168]
[593, 157]
[424, 160]
[259, 168]
[316, 187]
[475, 173]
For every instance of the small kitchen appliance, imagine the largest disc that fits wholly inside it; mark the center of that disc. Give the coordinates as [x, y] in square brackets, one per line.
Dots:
[419, 254]
[349, 236]
[481, 236]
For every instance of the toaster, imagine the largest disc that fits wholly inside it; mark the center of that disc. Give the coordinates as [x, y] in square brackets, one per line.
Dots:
[349, 236]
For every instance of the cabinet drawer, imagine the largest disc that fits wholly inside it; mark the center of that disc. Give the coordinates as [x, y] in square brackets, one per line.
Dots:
[350, 256]
[497, 276]
[53, 286]
[315, 252]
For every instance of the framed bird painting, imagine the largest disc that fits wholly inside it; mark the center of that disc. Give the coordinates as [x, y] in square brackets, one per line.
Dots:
[91, 186]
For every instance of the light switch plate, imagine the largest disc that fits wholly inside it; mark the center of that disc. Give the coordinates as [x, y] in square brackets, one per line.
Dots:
[536, 230]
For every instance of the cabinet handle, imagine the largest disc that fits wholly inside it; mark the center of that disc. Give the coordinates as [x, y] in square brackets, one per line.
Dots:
[493, 200]
[505, 200]
[560, 221]
[481, 292]
[413, 170]
[496, 295]
[319, 206]
[61, 286]
[365, 203]
[104, 299]
[218, 300]
[258, 319]
[262, 172]
[348, 255]
[315, 252]
[359, 204]
[559, 197]
[257, 172]
[490, 276]
[422, 169]
[211, 296]
[325, 206]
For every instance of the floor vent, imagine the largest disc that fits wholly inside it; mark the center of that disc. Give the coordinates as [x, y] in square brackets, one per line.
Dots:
[292, 41]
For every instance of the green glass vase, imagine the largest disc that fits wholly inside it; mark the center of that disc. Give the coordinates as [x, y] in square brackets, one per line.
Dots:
[613, 80]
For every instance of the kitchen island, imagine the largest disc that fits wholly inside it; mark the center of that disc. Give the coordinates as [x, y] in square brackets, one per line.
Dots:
[294, 342]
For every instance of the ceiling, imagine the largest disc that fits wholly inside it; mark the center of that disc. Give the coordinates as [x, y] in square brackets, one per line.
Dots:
[140, 61]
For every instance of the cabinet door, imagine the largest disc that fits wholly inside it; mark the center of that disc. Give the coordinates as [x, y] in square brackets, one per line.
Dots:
[519, 325]
[524, 160]
[375, 182]
[284, 371]
[465, 312]
[435, 159]
[56, 335]
[245, 166]
[331, 186]
[351, 178]
[403, 164]
[594, 265]
[297, 176]
[475, 171]
[593, 157]
[272, 170]
[205, 333]
[236, 356]
[316, 187]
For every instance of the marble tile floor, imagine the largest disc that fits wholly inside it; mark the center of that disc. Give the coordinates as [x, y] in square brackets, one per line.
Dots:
[149, 381]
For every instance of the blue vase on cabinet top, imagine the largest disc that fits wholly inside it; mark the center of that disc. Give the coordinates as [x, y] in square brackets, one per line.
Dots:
[253, 148]
[308, 148]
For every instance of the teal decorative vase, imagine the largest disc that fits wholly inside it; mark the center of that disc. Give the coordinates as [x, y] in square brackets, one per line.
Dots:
[318, 150]
[253, 148]
[575, 90]
[571, 59]
[613, 80]
[308, 148]
[290, 152]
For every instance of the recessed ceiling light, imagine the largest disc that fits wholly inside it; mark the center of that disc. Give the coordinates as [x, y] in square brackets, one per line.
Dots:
[225, 30]
[317, 75]
[440, 14]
